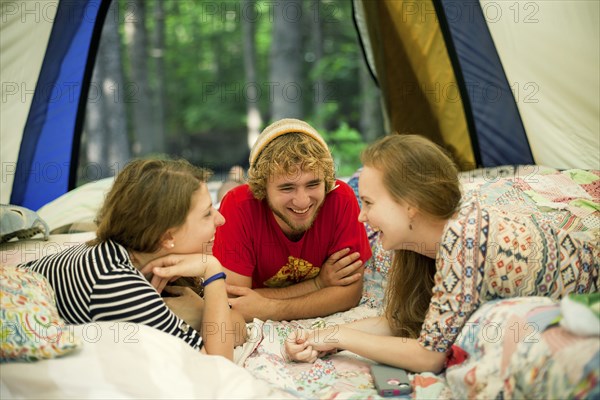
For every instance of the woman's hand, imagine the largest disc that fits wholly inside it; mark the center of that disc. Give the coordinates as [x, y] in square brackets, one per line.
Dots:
[173, 266]
[298, 349]
[306, 346]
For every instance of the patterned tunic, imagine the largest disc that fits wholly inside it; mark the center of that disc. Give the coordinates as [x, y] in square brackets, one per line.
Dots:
[487, 253]
[99, 283]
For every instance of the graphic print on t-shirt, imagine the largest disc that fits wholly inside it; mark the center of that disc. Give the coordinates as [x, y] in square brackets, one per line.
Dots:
[296, 270]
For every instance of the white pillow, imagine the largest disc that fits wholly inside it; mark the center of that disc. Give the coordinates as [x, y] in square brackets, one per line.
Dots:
[79, 206]
[126, 360]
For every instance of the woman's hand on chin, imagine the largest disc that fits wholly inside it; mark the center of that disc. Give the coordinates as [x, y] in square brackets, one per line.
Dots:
[172, 266]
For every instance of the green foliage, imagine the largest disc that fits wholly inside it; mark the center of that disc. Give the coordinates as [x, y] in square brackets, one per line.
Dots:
[345, 144]
[206, 92]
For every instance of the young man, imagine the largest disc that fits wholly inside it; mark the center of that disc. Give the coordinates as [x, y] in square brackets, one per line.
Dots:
[292, 243]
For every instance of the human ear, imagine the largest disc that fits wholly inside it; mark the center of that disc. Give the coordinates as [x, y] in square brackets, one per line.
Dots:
[167, 241]
[411, 211]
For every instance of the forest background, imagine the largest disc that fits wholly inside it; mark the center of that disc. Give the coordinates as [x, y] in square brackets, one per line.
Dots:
[200, 79]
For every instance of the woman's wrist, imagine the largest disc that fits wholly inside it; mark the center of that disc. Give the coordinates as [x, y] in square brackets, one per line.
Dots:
[342, 335]
[212, 268]
[213, 278]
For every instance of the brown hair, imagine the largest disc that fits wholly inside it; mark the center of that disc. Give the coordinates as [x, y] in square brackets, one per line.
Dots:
[147, 198]
[290, 154]
[418, 172]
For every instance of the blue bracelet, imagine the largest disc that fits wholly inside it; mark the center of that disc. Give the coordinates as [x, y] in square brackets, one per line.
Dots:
[220, 275]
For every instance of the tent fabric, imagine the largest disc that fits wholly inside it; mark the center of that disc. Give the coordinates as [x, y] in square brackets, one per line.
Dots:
[415, 74]
[495, 83]
[551, 55]
[47, 157]
[500, 134]
[23, 41]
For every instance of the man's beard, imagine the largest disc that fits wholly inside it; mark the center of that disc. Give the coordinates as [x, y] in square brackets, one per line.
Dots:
[297, 230]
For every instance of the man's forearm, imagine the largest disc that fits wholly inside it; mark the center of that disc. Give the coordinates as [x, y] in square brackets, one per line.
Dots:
[317, 304]
[299, 289]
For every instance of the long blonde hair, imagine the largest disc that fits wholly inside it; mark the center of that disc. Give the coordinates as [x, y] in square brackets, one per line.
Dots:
[147, 198]
[418, 172]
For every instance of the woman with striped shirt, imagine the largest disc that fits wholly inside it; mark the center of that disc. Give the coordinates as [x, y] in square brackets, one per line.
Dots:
[161, 211]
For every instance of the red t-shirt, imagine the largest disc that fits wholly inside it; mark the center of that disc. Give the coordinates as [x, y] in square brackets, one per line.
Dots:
[251, 243]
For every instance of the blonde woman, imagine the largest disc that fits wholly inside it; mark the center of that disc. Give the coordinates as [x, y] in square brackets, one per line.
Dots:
[449, 259]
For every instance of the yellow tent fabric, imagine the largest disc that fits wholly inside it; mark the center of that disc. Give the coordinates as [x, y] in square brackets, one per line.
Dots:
[414, 70]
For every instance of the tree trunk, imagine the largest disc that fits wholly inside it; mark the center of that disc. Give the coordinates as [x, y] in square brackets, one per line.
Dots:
[144, 131]
[285, 60]
[158, 52]
[253, 118]
[116, 117]
[371, 118]
[319, 84]
[94, 141]
[107, 145]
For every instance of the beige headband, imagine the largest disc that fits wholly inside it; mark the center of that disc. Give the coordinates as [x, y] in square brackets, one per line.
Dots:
[281, 127]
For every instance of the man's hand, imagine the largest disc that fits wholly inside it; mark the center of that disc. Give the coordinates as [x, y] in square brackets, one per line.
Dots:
[186, 304]
[249, 303]
[340, 269]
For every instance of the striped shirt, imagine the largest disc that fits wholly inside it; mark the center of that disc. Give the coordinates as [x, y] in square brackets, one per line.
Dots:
[99, 283]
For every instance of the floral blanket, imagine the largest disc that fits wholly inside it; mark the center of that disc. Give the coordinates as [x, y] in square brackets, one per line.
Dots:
[339, 376]
[519, 349]
[516, 347]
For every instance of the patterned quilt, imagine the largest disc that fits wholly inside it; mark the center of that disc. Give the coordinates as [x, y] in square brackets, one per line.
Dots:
[344, 375]
[518, 348]
[530, 356]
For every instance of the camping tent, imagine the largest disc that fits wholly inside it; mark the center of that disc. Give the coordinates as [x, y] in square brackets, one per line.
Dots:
[494, 82]
[509, 82]
[47, 52]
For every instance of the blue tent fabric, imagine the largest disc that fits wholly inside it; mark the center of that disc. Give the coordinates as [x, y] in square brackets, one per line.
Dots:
[499, 134]
[47, 157]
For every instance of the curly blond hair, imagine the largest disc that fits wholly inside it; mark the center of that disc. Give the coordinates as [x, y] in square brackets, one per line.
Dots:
[290, 154]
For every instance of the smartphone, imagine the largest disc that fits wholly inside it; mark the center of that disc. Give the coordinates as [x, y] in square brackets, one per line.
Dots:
[390, 381]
